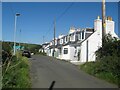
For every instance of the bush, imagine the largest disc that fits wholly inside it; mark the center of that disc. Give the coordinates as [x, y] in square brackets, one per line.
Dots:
[109, 57]
[110, 47]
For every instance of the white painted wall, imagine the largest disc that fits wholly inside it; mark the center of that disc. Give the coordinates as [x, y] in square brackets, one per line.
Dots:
[71, 53]
[98, 26]
[51, 52]
[94, 42]
[66, 56]
[83, 52]
[110, 27]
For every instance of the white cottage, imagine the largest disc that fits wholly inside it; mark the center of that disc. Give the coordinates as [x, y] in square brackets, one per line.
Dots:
[80, 45]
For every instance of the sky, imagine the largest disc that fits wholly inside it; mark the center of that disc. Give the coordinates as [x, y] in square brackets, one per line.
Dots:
[59, 0]
[0, 21]
[36, 19]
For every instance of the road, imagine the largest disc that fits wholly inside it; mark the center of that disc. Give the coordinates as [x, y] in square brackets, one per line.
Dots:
[46, 72]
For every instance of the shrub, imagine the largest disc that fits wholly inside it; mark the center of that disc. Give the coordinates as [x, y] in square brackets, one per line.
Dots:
[109, 57]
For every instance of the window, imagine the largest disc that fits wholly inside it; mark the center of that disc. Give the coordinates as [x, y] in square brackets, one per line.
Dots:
[82, 34]
[61, 41]
[66, 39]
[65, 50]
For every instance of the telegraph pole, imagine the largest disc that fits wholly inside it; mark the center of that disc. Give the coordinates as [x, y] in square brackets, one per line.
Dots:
[103, 22]
[54, 38]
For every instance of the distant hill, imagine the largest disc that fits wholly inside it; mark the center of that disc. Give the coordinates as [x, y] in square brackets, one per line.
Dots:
[8, 46]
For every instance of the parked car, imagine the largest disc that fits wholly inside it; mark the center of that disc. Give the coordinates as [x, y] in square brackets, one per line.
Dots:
[26, 53]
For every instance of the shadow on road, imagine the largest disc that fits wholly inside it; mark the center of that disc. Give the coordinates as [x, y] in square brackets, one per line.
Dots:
[52, 85]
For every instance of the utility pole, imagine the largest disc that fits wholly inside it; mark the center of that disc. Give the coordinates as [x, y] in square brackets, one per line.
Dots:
[103, 22]
[54, 38]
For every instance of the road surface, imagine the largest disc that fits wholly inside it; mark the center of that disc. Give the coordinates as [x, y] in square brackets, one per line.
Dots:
[48, 72]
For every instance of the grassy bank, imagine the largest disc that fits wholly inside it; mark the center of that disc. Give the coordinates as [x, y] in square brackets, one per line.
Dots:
[93, 68]
[16, 73]
[107, 64]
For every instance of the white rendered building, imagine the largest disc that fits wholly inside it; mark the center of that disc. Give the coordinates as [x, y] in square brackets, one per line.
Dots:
[80, 45]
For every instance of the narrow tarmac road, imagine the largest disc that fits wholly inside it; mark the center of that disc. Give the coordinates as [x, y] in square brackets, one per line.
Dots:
[46, 71]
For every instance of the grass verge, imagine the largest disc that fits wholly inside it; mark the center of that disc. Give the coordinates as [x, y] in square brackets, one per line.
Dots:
[92, 69]
[16, 73]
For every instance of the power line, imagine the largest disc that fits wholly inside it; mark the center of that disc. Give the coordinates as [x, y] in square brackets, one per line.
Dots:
[50, 28]
[65, 11]
[61, 15]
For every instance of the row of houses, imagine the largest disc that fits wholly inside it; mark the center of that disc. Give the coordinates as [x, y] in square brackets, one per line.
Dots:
[80, 44]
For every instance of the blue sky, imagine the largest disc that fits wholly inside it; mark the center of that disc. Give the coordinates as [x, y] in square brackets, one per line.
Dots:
[0, 21]
[36, 19]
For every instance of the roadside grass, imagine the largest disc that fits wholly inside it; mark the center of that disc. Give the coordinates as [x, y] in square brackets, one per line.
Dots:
[108, 77]
[16, 73]
[92, 68]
